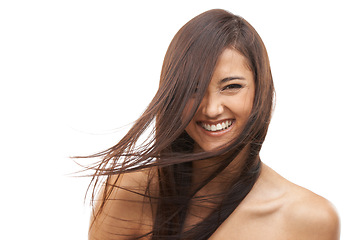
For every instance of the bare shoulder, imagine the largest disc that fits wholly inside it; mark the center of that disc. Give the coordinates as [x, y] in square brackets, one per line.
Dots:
[126, 212]
[282, 210]
[310, 216]
[304, 214]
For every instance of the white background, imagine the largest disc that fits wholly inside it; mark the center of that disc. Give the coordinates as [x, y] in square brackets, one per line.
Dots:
[74, 72]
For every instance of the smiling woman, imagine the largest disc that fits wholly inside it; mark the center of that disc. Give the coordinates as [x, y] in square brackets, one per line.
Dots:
[226, 105]
[199, 175]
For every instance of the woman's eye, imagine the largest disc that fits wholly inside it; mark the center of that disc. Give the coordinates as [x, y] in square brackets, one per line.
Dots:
[232, 87]
[195, 92]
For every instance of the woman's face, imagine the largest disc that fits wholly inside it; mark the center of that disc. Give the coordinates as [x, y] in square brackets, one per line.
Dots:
[227, 104]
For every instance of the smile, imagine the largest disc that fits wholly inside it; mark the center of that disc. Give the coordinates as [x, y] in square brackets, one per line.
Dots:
[217, 127]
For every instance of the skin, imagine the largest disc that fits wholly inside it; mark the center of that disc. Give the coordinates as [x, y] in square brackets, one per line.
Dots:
[275, 209]
[278, 209]
[229, 97]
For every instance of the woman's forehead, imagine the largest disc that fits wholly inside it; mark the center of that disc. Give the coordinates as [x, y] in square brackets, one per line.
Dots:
[232, 64]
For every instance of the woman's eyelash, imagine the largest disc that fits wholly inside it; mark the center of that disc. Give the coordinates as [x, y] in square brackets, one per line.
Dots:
[232, 86]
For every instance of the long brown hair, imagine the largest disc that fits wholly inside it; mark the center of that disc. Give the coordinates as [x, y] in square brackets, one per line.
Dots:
[187, 70]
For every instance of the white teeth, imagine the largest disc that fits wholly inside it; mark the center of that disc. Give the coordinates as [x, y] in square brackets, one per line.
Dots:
[217, 127]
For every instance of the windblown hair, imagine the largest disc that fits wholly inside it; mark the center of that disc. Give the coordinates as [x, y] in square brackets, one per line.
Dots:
[187, 70]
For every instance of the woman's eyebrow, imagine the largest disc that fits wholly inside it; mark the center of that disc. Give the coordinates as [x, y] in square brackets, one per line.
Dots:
[224, 80]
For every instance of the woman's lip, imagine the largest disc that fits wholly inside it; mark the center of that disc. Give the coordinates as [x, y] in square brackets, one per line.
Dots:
[215, 133]
[215, 122]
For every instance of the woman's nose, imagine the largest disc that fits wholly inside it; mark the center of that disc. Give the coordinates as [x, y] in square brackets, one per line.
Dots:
[212, 106]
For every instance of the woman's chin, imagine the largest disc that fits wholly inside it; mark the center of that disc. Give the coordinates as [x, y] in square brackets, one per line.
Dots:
[211, 147]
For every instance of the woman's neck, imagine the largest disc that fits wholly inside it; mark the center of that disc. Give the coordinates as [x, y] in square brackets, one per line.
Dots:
[204, 168]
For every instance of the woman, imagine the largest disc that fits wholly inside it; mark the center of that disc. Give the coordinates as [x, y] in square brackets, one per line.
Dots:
[198, 175]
